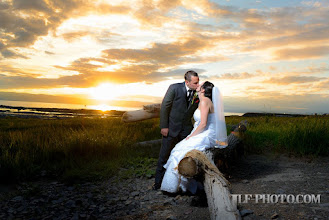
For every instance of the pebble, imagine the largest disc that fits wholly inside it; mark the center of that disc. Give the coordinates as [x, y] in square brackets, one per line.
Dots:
[324, 204]
[246, 212]
[171, 217]
[135, 193]
[280, 191]
[274, 216]
[112, 199]
[17, 199]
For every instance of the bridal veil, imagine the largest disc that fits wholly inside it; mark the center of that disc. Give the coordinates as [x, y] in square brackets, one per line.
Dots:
[221, 133]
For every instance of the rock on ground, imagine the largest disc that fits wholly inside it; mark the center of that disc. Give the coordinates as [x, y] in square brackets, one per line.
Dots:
[134, 199]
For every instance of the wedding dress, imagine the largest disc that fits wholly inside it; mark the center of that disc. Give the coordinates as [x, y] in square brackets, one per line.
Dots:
[172, 180]
[213, 133]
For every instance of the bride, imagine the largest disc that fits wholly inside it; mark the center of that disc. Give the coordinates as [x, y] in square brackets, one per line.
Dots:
[209, 131]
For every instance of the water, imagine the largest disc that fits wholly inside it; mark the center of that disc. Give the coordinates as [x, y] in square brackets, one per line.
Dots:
[233, 113]
[62, 105]
[69, 106]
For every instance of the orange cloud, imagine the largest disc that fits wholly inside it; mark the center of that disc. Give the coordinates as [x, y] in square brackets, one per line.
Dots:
[233, 76]
[293, 79]
[303, 53]
[22, 22]
[76, 99]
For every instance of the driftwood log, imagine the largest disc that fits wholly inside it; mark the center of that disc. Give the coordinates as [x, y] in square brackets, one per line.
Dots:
[208, 164]
[220, 203]
[148, 112]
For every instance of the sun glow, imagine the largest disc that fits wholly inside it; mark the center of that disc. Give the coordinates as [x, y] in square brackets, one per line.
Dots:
[103, 107]
[105, 91]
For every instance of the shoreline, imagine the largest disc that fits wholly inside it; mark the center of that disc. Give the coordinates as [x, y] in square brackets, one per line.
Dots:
[35, 112]
[40, 112]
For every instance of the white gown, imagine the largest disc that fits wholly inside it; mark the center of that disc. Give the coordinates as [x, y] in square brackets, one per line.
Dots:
[172, 181]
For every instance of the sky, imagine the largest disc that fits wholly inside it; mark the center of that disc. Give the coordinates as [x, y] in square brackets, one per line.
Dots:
[264, 55]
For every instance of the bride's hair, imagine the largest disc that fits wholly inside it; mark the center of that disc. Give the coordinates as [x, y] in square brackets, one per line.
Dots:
[207, 86]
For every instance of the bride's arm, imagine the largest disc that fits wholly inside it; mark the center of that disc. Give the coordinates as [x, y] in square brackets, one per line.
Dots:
[204, 111]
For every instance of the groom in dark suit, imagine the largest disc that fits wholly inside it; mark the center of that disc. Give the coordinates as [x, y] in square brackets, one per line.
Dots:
[177, 109]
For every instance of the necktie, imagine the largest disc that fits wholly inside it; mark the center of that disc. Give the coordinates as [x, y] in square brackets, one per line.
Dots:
[189, 98]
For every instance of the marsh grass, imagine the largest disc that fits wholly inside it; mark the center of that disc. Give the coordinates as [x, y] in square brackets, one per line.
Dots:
[84, 148]
[300, 136]
[70, 148]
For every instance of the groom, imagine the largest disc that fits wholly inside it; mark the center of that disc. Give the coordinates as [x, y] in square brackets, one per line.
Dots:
[177, 109]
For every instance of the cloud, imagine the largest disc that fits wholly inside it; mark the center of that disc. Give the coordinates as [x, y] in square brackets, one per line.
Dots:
[70, 36]
[315, 34]
[77, 99]
[136, 65]
[23, 22]
[11, 54]
[9, 82]
[165, 54]
[208, 8]
[255, 88]
[37, 5]
[272, 68]
[49, 53]
[233, 76]
[277, 103]
[10, 70]
[40, 98]
[303, 53]
[293, 79]
[322, 86]
[287, 30]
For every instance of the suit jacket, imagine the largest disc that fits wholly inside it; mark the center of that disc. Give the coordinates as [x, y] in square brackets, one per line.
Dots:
[175, 112]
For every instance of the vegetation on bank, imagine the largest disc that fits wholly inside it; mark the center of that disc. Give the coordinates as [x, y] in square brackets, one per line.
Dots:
[71, 148]
[91, 148]
[300, 136]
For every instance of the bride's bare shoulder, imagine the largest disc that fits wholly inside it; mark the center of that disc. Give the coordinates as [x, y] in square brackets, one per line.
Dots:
[207, 100]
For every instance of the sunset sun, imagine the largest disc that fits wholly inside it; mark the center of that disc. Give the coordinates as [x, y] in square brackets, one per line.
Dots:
[124, 54]
[104, 92]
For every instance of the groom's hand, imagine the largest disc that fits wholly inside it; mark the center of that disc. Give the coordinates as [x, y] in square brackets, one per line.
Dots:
[164, 131]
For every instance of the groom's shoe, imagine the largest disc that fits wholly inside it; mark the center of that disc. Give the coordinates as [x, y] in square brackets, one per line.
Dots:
[156, 186]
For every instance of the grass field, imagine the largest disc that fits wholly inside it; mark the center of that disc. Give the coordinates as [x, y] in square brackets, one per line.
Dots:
[86, 148]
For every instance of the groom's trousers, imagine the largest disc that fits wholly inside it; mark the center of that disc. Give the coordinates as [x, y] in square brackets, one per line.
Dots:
[168, 143]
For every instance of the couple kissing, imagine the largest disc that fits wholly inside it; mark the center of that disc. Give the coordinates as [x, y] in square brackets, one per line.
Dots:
[182, 101]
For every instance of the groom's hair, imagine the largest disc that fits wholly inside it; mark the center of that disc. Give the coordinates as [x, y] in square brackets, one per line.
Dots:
[188, 75]
[207, 86]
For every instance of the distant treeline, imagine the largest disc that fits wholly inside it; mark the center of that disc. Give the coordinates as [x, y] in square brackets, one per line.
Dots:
[64, 110]
[252, 114]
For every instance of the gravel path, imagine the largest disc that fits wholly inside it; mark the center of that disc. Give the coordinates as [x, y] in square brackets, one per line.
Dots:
[134, 199]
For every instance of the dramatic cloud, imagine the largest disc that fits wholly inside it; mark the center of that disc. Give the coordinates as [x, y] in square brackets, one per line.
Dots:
[232, 76]
[137, 65]
[294, 79]
[22, 22]
[303, 53]
[70, 45]
[77, 99]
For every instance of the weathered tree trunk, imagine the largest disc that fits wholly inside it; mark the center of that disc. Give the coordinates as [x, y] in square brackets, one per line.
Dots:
[148, 112]
[220, 203]
[149, 143]
[224, 158]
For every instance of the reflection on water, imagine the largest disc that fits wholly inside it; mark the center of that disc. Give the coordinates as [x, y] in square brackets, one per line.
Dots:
[60, 105]
[53, 110]
[61, 110]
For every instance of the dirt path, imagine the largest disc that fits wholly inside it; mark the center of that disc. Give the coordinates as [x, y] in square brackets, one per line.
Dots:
[282, 175]
[134, 198]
